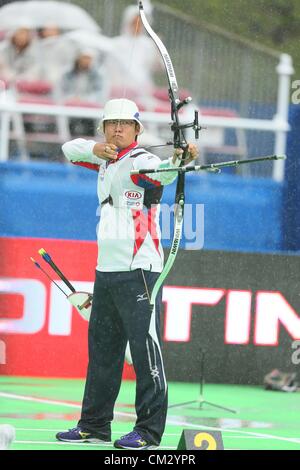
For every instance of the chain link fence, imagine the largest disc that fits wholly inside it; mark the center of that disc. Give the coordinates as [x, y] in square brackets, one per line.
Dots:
[225, 75]
[220, 70]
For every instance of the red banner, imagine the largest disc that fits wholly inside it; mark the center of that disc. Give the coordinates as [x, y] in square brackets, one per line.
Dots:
[41, 334]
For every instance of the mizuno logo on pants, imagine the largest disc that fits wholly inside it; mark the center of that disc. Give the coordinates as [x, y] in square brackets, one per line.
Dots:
[154, 372]
[141, 297]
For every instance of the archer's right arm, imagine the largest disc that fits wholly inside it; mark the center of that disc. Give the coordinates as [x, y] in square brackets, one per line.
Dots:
[80, 152]
[89, 153]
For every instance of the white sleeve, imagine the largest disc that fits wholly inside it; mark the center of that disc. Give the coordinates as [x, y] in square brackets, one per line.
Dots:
[150, 161]
[81, 150]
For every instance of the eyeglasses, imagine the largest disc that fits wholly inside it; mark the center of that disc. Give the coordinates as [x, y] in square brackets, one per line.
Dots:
[119, 122]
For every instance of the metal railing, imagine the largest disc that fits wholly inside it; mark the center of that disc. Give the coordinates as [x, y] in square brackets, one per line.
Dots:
[220, 71]
[10, 108]
[218, 67]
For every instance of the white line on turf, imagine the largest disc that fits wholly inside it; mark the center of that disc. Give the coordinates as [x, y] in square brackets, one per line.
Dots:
[170, 422]
[57, 430]
[223, 430]
[165, 434]
[49, 401]
[77, 444]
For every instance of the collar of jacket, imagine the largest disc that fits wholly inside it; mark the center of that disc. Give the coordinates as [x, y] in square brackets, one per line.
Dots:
[126, 150]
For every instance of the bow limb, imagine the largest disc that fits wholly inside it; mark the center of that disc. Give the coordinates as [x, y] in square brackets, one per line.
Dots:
[164, 53]
[178, 142]
[179, 139]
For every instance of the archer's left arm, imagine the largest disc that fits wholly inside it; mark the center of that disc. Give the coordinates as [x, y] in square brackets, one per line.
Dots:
[153, 162]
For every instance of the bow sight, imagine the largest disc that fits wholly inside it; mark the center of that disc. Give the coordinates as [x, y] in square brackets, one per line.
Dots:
[175, 127]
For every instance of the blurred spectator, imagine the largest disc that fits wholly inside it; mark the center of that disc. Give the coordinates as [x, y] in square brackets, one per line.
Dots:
[18, 56]
[85, 81]
[56, 54]
[134, 59]
[48, 31]
[85, 84]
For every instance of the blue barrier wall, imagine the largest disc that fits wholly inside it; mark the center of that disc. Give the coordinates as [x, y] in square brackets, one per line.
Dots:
[291, 203]
[59, 201]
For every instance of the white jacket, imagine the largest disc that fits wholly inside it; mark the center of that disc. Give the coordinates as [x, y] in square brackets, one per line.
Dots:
[129, 235]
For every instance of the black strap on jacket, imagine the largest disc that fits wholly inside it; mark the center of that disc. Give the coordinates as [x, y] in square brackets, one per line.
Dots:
[109, 200]
[151, 197]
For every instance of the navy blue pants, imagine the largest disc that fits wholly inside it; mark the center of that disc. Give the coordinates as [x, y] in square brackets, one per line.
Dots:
[121, 311]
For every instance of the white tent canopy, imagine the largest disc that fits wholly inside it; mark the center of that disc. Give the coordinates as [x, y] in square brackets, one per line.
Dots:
[89, 39]
[39, 14]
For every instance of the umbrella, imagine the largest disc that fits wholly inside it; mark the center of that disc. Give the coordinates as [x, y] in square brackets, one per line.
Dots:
[38, 14]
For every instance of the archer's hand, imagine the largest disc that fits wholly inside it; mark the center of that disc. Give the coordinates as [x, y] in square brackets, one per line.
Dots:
[192, 154]
[105, 151]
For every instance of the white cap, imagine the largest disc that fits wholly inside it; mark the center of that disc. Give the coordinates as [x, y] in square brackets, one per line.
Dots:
[121, 109]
